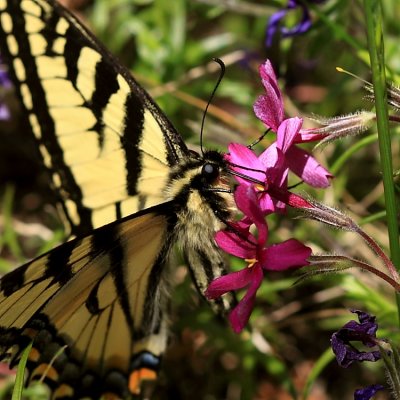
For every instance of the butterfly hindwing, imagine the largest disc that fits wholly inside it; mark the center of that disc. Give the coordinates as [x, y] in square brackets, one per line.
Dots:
[92, 304]
[106, 144]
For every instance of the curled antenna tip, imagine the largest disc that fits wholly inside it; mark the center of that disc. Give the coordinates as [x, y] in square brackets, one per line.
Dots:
[220, 62]
[221, 75]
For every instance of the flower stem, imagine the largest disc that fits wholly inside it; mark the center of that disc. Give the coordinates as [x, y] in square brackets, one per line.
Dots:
[336, 259]
[381, 254]
[391, 369]
[376, 53]
[378, 273]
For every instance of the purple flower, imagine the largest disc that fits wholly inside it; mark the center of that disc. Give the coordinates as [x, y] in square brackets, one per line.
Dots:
[363, 331]
[367, 393]
[5, 85]
[241, 243]
[275, 19]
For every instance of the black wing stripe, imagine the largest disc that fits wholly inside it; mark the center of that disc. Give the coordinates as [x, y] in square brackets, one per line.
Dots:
[105, 86]
[133, 127]
[55, 261]
[42, 123]
[72, 48]
[103, 139]
[110, 244]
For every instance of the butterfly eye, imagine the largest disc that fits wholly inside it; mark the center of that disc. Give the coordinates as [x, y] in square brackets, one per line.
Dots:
[210, 172]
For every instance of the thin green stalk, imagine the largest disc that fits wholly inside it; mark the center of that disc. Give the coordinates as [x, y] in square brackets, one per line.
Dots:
[344, 158]
[19, 379]
[376, 52]
[326, 357]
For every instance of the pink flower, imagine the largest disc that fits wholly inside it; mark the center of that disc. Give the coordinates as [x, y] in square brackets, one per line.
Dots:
[293, 158]
[272, 167]
[241, 243]
[283, 154]
[267, 172]
[269, 107]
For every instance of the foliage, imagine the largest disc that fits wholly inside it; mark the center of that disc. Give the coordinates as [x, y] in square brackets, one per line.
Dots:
[169, 47]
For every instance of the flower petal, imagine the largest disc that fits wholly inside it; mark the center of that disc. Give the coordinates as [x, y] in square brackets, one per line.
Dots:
[287, 133]
[247, 201]
[275, 164]
[304, 165]
[347, 354]
[307, 135]
[242, 155]
[226, 283]
[270, 157]
[268, 78]
[240, 315]
[269, 107]
[286, 255]
[273, 26]
[233, 244]
[269, 205]
[368, 392]
[301, 27]
[364, 331]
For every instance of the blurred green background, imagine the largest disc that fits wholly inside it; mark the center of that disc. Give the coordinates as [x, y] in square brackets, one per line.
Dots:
[169, 46]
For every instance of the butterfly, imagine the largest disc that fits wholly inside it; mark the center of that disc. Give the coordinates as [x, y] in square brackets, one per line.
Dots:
[128, 189]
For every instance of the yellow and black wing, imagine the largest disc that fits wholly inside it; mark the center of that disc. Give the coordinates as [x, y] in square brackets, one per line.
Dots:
[107, 145]
[109, 151]
[128, 188]
[93, 308]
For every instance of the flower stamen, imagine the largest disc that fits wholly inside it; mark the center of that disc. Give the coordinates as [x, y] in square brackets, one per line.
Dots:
[251, 262]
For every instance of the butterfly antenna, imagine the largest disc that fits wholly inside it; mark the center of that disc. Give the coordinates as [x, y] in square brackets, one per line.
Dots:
[221, 75]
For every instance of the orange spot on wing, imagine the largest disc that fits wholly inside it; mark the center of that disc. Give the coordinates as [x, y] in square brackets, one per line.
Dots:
[63, 391]
[45, 371]
[137, 377]
[34, 355]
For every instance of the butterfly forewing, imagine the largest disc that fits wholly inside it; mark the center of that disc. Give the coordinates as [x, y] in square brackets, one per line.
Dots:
[107, 145]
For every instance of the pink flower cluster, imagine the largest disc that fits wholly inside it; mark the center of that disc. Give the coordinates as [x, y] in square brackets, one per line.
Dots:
[262, 190]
